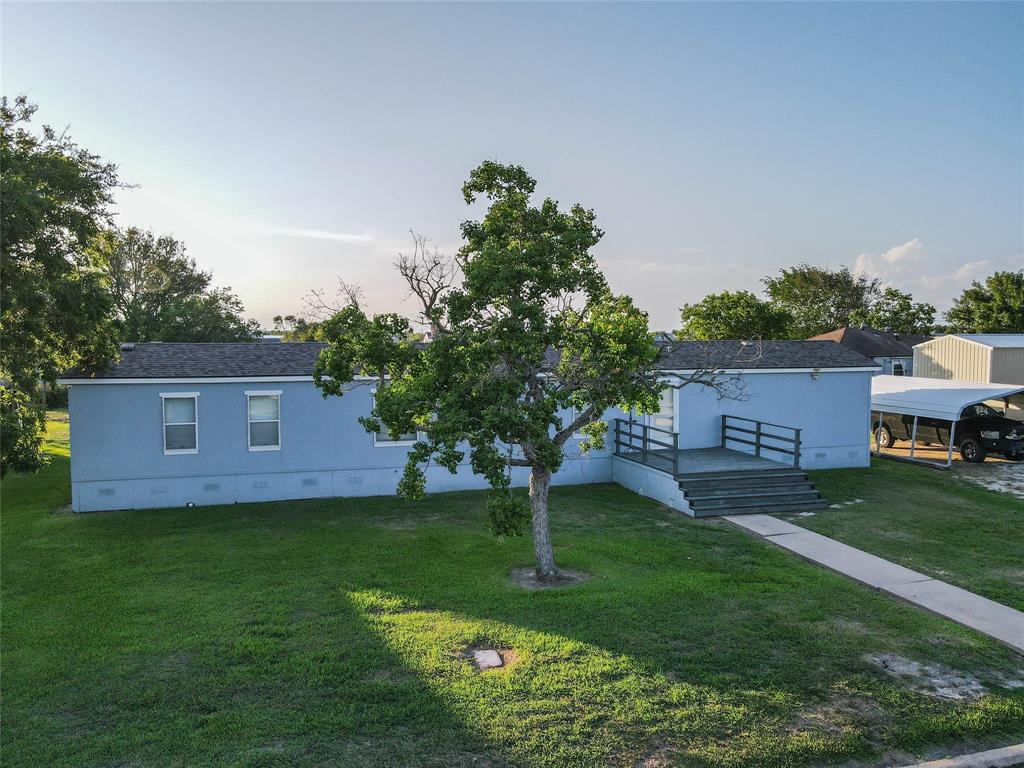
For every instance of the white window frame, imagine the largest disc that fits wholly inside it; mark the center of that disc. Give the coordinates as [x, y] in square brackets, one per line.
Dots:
[163, 421]
[377, 443]
[249, 422]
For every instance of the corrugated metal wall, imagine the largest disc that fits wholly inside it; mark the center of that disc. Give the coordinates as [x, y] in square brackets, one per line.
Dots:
[1008, 366]
[950, 357]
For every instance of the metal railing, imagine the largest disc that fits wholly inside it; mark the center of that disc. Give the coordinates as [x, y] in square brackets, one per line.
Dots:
[731, 430]
[634, 437]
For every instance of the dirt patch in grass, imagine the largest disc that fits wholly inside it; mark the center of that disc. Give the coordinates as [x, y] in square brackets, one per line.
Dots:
[527, 579]
[930, 679]
[837, 714]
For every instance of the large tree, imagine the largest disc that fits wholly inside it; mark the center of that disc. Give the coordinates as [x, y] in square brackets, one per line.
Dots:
[55, 306]
[732, 315]
[532, 332]
[819, 299]
[995, 306]
[160, 295]
[896, 311]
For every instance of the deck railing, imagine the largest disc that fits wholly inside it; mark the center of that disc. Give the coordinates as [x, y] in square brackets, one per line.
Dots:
[634, 437]
[737, 433]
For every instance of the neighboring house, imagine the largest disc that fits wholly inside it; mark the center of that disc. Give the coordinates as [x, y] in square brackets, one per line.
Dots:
[180, 424]
[991, 358]
[894, 352]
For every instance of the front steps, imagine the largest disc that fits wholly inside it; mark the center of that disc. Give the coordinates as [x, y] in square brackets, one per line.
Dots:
[749, 491]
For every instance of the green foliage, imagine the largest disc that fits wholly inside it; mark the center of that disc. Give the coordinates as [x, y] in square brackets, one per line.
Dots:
[294, 328]
[22, 424]
[995, 306]
[818, 299]
[896, 311]
[160, 295]
[733, 315]
[531, 332]
[359, 345]
[508, 514]
[55, 307]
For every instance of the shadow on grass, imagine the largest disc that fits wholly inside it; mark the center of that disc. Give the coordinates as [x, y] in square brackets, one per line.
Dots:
[299, 632]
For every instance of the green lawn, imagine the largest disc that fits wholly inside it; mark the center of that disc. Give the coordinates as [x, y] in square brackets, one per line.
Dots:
[929, 521]
[334, 633]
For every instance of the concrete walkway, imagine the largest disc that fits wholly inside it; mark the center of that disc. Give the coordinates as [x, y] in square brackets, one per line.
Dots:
[971, 610]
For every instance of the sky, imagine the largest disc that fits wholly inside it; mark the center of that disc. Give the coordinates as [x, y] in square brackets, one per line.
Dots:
[289, 144]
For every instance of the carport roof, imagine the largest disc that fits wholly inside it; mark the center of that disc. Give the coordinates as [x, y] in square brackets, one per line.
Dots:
[934, 398]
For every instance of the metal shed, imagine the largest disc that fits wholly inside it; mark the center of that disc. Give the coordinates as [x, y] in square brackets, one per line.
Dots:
[941, 399]
[984, 357]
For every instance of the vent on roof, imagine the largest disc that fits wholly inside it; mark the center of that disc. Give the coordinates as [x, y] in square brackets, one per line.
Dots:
[127, 347]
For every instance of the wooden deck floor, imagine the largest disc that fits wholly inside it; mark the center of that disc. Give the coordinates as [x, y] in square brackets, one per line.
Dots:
[700, 460]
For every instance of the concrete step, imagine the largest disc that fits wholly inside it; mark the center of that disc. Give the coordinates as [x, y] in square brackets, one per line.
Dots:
[721, 502]
[767, 509]
[711, 486]
[740, 475]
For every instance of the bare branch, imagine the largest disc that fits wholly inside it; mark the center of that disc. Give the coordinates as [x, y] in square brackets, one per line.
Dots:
[429, 274]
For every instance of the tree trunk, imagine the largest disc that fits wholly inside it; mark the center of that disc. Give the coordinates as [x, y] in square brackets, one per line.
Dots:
[540, 482]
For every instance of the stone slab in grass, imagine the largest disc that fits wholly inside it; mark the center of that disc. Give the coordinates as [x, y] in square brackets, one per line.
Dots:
[487, 659]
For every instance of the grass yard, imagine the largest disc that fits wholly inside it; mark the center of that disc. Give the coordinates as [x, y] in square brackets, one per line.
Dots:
[335, 633]
[929, 521]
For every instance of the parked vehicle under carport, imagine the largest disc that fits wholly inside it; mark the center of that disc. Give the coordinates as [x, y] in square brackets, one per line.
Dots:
[953, 414]
[981, 430]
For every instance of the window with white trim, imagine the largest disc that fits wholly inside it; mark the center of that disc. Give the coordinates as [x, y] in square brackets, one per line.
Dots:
[181, 421]
[382, 437]
[264, 417]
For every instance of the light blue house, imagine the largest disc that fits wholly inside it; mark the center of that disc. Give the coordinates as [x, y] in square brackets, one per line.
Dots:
[194, 424]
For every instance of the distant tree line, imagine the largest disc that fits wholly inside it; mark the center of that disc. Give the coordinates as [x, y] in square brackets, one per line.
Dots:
[806, 300]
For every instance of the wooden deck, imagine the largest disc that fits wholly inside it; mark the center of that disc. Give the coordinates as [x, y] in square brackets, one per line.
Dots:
[696, 461]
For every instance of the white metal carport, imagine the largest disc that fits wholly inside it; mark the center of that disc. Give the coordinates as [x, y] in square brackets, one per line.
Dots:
[943, 399]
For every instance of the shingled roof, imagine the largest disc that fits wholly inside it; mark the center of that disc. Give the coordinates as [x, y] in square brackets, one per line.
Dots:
[872, 343]
[206, 361]
[757, 355]
[210, 361]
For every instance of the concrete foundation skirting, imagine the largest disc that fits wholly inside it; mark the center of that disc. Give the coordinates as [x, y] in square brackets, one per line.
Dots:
[992, 758]
[649, 482]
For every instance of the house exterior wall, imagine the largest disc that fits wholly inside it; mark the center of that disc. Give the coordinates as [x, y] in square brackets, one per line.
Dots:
[118, 460]
[887, 364]
[950, 357]
[832, 411]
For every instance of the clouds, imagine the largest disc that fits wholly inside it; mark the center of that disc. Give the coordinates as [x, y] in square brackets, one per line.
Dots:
[892, 264]
[317, 234]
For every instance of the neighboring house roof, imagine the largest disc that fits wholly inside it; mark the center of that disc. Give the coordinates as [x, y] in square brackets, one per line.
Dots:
[1004, 340]
[215, 361]
[871, 343]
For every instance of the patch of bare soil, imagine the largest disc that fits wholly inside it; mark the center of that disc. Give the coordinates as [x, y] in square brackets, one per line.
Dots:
[837, 714]
[527, 579]
[64, 510]
[931, 679]
[1002, 476]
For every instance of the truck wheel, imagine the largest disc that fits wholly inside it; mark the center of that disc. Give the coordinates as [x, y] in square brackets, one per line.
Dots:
[971, 450]
[884, 438]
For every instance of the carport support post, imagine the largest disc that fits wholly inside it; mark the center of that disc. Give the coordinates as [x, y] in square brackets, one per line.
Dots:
[952, 438]
[878, 433]
[913, 438]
